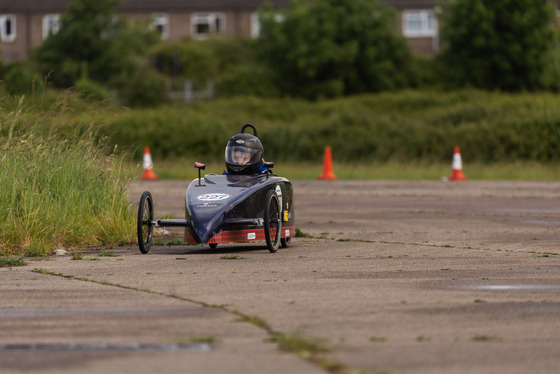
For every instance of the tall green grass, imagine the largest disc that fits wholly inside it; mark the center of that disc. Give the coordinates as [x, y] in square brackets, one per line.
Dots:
[58, 186]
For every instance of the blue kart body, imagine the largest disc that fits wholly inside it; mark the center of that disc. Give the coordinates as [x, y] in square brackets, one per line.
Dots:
[228, 208]
[231, 208]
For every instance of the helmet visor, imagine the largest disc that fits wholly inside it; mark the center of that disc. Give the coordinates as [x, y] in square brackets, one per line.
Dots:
[239, 155]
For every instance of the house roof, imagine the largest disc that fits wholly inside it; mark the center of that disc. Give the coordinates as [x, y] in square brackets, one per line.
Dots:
[42, 6]
[411, 4]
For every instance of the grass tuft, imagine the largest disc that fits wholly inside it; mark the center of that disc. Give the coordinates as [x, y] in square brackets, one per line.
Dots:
[11, 262]
[107, 254]
[231, 257]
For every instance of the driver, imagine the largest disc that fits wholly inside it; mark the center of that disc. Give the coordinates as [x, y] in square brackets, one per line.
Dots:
[241, 156]
[244, 154]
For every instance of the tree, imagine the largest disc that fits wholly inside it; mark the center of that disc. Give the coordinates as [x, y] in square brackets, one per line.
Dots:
[328, 48]
[93, 41]
[508, 44]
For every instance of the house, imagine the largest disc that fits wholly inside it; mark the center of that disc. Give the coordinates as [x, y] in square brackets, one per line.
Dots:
[25, 24]
[418, 23]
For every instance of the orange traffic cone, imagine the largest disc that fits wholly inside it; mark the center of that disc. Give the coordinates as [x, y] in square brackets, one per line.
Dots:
[148, 166]
[328, 173]
[457, 174]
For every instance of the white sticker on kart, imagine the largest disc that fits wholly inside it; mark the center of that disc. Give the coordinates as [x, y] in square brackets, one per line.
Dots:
[279, 194]
[213, 197]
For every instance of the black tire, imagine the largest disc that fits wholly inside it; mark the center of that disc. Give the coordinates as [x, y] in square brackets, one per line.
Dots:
[213, 245]
[272, 221]
[145, 227]
[285, 242]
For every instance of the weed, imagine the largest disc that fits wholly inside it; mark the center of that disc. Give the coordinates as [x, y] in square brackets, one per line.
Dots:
[356, 240]
[77, 256]
[36, 253]
[256, 321]
[422, 338]
[176, 242]
[484, 338]
[378, 339]
[548, 254]
[309, 348]
[301, 234]
[231, 257]
[107, 254]
[11, 262]
[199, 340]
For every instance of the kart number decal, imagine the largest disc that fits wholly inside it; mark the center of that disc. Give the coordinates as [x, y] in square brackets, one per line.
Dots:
[251, 236]
[287, 232]
[213, 197]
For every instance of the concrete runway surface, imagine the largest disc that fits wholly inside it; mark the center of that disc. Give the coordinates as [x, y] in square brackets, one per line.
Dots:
[397, 277]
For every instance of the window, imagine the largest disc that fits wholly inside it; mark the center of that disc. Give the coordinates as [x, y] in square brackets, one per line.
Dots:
[203, 24]
[51, 25]
[255, 25]
[419, 23]
[160, 23]
[7, 27]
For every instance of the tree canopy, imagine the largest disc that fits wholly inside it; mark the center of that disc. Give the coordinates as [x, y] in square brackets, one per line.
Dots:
[93, 40]
[509, 45]
[328, 48]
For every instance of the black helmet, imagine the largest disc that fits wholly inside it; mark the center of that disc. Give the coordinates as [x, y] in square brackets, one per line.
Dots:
[244, 153]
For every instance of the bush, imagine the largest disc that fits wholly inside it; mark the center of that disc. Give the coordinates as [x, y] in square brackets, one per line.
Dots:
[189, 59]
[403, 126]
[91, 90]
[231, 63]
[19, 80]
[246, 80]
[146, 89]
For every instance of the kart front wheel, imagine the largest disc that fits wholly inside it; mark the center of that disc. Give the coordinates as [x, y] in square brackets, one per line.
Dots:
[272, 222]
[145, 227]
[285, 242]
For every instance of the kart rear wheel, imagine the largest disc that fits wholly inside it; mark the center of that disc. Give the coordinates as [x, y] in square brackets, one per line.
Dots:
[145, 227]
[213, 245]
[272, 222]
[285, 242]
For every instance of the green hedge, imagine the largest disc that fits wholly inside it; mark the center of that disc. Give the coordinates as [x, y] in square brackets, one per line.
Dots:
[403, 126]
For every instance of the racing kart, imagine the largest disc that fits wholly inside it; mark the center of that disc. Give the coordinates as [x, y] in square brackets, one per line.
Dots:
[228, 208]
